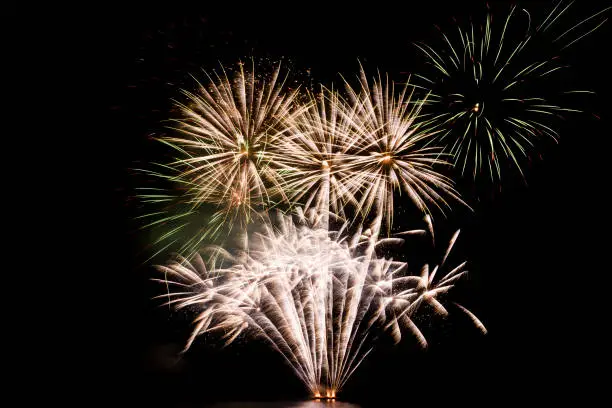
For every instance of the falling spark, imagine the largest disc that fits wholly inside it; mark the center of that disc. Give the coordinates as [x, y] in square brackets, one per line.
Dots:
[476, 321]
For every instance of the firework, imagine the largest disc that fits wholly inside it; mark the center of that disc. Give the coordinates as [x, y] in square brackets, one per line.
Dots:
[491, 94]
[388, 153]
[220, 144]
[312, 158]
[317, 297]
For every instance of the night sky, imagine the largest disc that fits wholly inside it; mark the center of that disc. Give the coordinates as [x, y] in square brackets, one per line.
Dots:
[537, 253]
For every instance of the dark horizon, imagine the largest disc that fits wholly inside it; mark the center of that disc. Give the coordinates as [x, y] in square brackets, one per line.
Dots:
[534, 250]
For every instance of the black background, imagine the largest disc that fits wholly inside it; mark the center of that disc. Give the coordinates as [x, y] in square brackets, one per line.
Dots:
[537, 253]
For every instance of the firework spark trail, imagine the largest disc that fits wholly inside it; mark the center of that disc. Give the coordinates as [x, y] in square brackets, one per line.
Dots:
[484, 94]
[220, 143]
[316, 297]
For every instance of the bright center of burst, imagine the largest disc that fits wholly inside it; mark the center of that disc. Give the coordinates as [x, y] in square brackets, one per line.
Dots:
[476, 108]
[325, 164]
[386, 159]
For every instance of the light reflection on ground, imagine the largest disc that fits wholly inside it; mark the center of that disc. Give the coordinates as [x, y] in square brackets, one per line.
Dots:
[288, 404]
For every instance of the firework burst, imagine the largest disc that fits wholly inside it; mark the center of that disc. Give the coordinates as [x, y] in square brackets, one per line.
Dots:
[312, 159]
[319, 298]
[220, 144]
[388, 153]
[491, 93]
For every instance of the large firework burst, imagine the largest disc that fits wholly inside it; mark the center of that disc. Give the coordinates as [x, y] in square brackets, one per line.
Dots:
[220, 143]
[317, 297]
[491, 92]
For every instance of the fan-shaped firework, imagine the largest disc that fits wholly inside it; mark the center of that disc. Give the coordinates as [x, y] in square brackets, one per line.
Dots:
[317, 297]
[388, 153]
[491, 92]
[221, 143]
